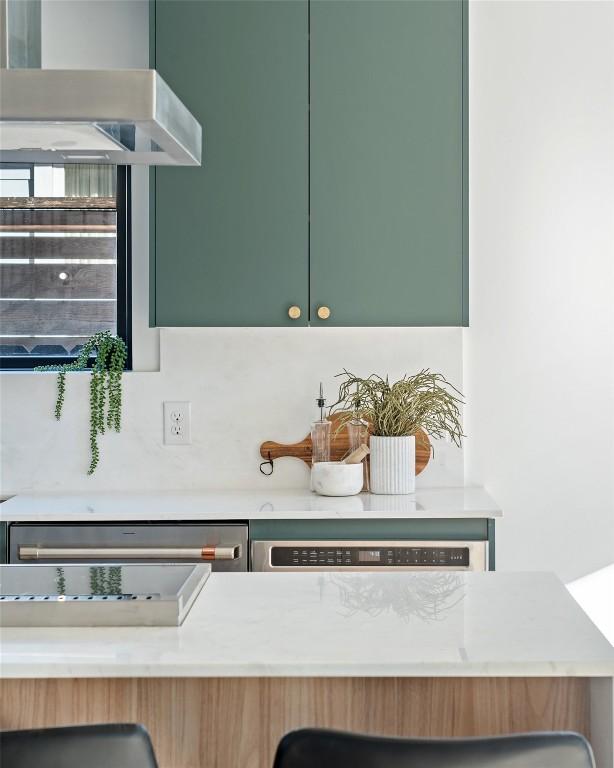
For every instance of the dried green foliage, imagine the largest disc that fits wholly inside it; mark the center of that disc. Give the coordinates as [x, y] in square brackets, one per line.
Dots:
[105, 385]
[424, 401]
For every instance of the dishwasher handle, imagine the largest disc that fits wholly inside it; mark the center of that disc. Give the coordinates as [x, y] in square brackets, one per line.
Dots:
[171, 554]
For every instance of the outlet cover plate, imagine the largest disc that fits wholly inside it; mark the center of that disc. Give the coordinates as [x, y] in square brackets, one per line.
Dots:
[177, 419]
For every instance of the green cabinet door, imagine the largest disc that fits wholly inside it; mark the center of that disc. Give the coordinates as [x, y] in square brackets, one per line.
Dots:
[230, 239]
[387, 180]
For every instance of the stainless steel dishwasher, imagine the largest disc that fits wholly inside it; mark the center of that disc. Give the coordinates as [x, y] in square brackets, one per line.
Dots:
[224, 545]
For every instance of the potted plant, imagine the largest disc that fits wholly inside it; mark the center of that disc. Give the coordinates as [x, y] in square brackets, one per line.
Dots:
[395, 413]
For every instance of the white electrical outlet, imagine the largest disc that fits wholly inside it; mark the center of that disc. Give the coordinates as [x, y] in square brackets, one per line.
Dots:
[177, 422]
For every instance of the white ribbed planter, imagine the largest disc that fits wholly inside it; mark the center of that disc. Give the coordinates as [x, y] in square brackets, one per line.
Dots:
[393, 464]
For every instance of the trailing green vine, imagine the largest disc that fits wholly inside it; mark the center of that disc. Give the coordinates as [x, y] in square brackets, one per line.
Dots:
[105, 385]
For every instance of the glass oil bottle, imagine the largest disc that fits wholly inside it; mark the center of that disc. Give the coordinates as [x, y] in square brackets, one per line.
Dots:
[320, 433]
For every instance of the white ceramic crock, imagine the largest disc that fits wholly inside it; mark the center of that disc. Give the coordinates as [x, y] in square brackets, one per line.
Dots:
[393, 464]
[332, 478]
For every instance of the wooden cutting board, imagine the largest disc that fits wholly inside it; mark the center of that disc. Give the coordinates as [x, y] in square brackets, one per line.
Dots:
[339, 447]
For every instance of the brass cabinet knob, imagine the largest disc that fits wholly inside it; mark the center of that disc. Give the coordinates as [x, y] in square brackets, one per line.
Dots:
[323, 313]
[294, 312]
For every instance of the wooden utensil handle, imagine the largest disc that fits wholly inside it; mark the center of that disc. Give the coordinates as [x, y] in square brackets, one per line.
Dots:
[357, 456]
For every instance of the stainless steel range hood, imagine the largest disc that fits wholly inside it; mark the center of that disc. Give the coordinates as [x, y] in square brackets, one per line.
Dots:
[117, 116]
[114, 116]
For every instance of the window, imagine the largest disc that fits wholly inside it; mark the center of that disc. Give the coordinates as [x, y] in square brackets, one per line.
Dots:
[16, 180]
[64, 260]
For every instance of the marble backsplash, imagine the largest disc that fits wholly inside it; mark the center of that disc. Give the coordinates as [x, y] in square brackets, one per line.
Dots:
[246, 385]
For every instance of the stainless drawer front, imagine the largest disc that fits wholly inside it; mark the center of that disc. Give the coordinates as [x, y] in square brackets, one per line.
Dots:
[224, 546]
[262, 559]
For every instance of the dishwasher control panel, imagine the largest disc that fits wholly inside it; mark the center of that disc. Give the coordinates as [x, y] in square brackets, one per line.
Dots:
[356, 557]
[369, 555]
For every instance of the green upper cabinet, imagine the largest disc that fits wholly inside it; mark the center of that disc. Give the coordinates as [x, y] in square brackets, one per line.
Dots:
[334, 171]
[230, 237]
[387, 193]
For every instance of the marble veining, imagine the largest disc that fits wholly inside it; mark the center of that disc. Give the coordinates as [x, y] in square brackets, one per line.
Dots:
[467, 501]
[304, 624]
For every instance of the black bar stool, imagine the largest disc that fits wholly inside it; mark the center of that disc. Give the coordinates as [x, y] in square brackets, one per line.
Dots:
[309, 748]
[78, 746]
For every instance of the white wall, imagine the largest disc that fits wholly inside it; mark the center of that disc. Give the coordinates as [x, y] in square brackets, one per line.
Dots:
[94, 34]
[539, 355]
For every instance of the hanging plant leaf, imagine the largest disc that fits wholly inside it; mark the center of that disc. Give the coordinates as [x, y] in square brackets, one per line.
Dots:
[105, 385]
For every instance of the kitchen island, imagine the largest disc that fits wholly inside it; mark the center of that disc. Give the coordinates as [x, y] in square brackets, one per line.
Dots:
[426, 654]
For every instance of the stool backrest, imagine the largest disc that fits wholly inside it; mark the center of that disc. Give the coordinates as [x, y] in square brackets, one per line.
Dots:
[333, 749]
[78, 746]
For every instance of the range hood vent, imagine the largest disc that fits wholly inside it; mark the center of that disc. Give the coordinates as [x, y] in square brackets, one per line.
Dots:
[116, 116]
[111, 116]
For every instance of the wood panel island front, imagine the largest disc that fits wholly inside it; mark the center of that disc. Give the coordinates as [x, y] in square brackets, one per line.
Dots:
[433, 654]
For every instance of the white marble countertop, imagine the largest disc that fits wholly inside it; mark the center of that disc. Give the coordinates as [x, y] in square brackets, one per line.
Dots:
[360, 625]
[466, 501]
